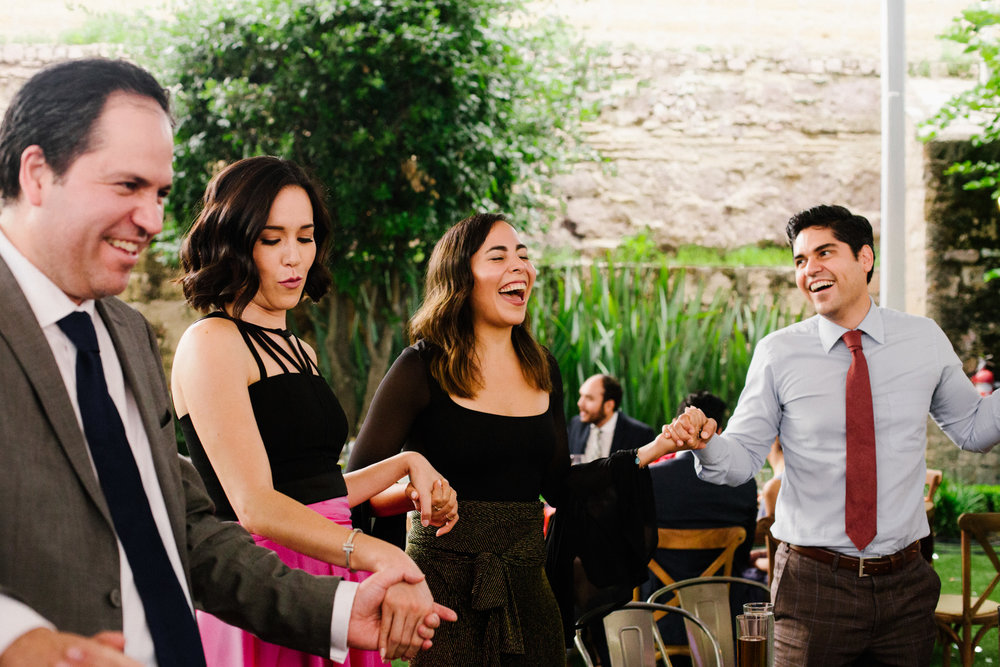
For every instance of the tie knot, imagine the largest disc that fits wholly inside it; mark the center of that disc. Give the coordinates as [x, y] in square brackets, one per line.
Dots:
[79, 328]
[852, 339]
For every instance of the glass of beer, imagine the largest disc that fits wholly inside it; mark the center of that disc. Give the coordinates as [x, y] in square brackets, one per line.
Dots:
[768, 609]
[751, 640]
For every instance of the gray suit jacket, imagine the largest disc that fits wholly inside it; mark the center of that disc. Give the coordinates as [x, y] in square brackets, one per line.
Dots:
[58, 552]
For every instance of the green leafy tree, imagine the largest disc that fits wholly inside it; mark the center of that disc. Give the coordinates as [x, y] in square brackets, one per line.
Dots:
[977, 31]
[413, 113]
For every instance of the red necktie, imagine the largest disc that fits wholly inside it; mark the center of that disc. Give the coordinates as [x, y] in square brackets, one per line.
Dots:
[861, 494]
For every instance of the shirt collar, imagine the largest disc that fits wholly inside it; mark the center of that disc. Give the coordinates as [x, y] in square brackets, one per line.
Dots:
[609, 426]
[873, 325]
[49, 303]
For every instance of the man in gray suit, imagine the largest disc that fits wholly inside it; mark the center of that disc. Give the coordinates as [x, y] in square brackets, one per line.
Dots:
[85, 163]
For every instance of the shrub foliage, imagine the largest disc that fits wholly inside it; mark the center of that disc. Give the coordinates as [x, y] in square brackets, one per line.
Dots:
[652, 327]
[412, 113]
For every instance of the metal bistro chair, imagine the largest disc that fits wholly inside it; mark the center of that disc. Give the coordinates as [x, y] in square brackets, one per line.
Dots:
[726, 539]
[633, 639]
[708, 599]
[958, 615]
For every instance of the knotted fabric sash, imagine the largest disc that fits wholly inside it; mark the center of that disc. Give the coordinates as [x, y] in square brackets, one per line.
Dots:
[495, 537]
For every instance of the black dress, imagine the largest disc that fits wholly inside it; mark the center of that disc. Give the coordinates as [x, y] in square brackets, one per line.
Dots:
[301, 423]
[303, 428]
[491, 567]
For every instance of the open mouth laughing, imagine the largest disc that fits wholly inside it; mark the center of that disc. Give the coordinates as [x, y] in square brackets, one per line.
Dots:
[515, 291]
[820, 285]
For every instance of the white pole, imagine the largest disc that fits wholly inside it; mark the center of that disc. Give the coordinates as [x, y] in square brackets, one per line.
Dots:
[892, 276]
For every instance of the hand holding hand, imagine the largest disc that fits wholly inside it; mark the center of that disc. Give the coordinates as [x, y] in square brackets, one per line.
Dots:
[366, 631]
[431, 495]
[691, 430]
[42, 646]
[408, 621]
[444, 506]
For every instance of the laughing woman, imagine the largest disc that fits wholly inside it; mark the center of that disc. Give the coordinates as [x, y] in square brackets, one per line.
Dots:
[262, 425]
[483, 401]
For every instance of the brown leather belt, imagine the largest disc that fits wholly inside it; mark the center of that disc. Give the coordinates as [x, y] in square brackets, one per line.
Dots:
[863, 566]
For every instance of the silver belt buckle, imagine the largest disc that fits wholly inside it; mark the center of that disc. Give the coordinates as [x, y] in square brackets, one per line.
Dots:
[861, 567]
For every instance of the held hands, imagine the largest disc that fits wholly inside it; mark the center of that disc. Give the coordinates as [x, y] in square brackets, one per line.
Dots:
[431, 495]
[409, 618]
[394, 613]
[691, 430]
[42, 646]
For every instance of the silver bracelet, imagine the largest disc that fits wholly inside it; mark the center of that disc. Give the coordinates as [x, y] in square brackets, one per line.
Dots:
[349, 547]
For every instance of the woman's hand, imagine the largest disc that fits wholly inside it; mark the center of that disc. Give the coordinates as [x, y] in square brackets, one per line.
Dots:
[691, 430]
[444, 505]
[431, 495]
[404, 630]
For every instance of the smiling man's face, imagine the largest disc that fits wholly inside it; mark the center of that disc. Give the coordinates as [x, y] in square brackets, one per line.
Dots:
[831, 277]
[89, 225]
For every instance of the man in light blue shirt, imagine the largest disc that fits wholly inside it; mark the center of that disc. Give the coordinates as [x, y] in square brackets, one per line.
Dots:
[834, 606]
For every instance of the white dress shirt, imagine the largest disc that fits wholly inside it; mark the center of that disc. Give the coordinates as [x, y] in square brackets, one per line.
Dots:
[50, 304]
[599, 439]
[795, 390]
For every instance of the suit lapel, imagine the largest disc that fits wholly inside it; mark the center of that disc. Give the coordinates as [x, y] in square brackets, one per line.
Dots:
[21, 332]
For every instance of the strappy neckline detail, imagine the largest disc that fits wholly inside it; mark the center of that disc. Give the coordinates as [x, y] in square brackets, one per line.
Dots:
[256, 338]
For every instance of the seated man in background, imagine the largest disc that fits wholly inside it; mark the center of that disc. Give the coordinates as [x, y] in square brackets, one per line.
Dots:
[602, 428]
[684, 501]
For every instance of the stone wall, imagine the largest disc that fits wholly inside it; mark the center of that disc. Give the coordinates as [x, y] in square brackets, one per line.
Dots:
[19, 61]
[963, 241]
[717, 150]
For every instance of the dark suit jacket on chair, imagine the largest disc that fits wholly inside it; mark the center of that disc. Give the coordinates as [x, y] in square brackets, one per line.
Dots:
[58, 551]
[629, 434]
[685, 501]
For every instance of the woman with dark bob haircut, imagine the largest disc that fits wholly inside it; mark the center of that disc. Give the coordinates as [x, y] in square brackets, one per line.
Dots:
[263, 427]
[482, 400]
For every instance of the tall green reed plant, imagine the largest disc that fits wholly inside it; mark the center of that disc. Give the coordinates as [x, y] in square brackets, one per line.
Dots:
[651, 327]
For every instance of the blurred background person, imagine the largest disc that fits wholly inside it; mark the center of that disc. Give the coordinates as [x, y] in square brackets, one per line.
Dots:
[601, 427]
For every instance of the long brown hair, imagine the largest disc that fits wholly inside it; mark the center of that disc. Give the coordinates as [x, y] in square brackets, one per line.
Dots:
[444, 320]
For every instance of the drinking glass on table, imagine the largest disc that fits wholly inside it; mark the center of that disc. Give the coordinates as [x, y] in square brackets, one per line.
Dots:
[766, 609]
[751, 640]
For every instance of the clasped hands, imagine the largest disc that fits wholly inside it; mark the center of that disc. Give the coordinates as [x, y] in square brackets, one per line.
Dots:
[405, 624]
[439, 506]
[690, 430]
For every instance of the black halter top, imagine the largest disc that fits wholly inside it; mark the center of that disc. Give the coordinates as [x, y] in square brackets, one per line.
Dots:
[301, 423]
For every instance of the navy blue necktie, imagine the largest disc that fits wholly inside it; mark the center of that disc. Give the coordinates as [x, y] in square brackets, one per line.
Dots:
[171, 623]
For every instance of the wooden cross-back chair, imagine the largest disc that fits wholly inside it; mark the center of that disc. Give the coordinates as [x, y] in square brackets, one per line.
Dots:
[958, 616]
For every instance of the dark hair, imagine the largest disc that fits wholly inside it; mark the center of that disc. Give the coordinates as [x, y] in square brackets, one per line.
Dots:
[612, 390]
[854, 230]
[713, 406]
[444, 319]
[217, 254]
[57, 109]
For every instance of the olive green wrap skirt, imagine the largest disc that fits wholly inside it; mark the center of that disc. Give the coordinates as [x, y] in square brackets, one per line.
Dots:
[490, 570]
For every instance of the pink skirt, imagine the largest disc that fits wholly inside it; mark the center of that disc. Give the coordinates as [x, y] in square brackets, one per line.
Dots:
[228, 646]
